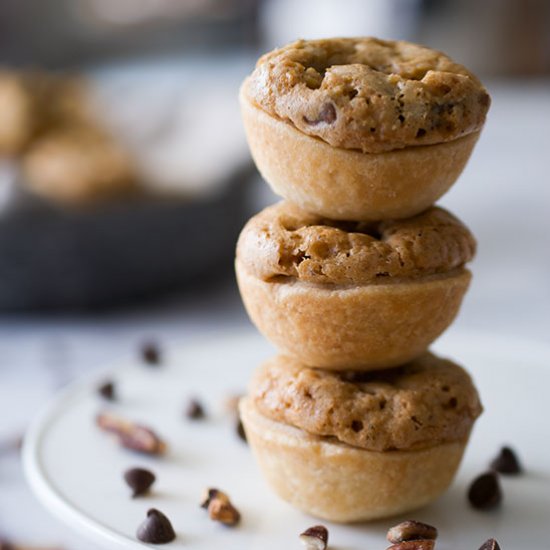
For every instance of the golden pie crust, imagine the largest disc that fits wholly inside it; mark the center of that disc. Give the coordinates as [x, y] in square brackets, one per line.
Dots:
[338, 482]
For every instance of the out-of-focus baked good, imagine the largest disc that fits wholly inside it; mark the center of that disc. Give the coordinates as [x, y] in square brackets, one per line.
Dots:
[78, 166]
[352, 446]
[343, 295]
[361, 128]
[33, 102]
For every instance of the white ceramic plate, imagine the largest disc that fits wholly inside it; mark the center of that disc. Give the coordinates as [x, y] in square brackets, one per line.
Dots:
[76, 470]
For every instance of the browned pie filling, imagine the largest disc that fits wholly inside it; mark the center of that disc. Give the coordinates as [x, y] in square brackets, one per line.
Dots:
[426, 402]
[369, 94]
[285, 241]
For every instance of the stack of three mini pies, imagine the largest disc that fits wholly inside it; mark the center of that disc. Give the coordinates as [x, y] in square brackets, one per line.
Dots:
[356, 273]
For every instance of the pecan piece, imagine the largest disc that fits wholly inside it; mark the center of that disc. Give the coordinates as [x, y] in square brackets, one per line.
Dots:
[8, 545]
[413, 545]
[131, 435]
[315, 538]
[411, 530]
[220, 507]
[490, 544]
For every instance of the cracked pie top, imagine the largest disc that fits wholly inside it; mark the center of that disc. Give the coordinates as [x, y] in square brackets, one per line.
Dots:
[424, 403]
[369, 94]
[285, 241]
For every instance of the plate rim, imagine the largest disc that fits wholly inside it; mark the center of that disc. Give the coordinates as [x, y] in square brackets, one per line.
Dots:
[92, 529]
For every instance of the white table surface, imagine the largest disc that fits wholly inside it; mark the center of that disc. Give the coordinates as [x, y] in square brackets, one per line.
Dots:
[503, 195]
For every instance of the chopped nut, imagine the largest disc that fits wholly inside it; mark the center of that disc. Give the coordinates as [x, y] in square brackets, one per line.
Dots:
[411, 530]
[150, 353]
[413, 545]
[315, 538]
[156, 529]
[490, 544]
[139, 480]
[485, 492]
[210, 494]
[194, 410]
[107, 391]
[8, 545]
[506, 462]
[131, 435]
[220, 508]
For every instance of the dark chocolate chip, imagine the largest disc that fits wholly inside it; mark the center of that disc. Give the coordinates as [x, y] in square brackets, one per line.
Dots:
[139, 480]
[411, 530]
[506, 462]
[156, 528]
[327, 115]
[194, 410]
[150, 353]
[107, 391]
[490, 544]
[315, 538]
[7, 545]
[485, 492]
[240, 430]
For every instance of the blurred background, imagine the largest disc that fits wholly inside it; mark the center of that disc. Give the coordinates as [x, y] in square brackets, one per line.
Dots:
[125, 178]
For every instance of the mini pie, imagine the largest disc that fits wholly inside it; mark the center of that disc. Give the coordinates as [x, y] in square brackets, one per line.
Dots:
[353, 446]
[78, 166]
[361, 128]
[352, 295]
[31, 103]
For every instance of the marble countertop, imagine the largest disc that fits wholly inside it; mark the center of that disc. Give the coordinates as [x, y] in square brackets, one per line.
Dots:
[503, 196]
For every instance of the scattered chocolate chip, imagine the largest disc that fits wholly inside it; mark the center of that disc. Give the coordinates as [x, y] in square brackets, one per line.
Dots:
[150, 353]
[315, 538]
[6, 545]
[506, 462]
[219, 507]
[107, 391]
[139, 480]
[131, 435]
[327, 115]
[490, 544]
[411, 530]
[240, 430]
[194, 410]
[425, 544]
[156, 529]
[485, 492]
